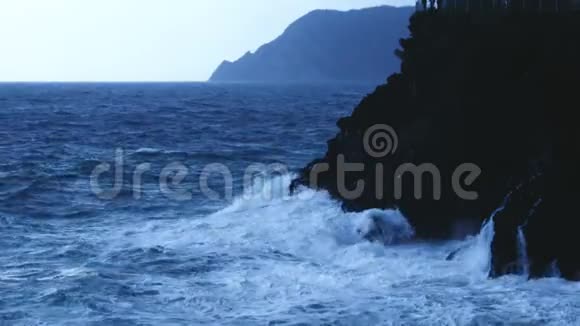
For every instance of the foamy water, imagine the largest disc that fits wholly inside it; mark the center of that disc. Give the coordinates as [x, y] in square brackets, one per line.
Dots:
[300, 259]
[264, 258]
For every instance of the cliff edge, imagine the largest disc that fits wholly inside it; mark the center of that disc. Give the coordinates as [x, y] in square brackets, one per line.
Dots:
[480, 123]
[326, 46]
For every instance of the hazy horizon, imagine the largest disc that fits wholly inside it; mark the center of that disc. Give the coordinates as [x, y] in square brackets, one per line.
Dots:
[141, 41]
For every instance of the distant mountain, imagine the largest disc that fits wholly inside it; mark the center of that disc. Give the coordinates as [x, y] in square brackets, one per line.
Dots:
[327, 45]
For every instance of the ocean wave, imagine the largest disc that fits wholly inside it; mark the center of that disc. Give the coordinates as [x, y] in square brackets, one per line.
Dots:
[265, 257]
[310, 226]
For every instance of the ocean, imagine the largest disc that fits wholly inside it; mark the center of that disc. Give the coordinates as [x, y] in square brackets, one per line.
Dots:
[168, 204]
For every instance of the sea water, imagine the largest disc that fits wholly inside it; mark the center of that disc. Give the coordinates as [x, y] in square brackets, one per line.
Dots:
[260, 256]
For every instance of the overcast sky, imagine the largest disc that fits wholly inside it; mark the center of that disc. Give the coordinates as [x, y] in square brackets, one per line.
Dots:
[141, 40]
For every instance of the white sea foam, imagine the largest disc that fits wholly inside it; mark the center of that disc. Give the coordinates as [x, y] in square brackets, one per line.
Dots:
[523, 253]
[148, 150]
[300, 260]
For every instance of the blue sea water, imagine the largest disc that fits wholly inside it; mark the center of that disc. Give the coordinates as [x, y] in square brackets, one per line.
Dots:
[164, 250]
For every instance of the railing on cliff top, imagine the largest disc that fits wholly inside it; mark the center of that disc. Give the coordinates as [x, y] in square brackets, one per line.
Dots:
[549, 6]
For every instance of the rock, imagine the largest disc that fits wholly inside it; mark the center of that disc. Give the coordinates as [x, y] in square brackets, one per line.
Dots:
[498, 92]
[326, 45]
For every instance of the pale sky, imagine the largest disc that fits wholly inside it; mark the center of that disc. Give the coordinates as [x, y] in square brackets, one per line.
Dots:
[141, 40]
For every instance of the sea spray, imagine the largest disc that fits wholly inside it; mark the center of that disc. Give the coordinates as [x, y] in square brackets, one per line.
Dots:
[523, 253]
[554, 271]
[478, 256]
[483, 243]
[385, 226]
[262, 191]
[523, 260]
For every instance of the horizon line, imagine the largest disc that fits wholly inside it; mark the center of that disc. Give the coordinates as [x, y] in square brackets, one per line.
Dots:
[98, 81]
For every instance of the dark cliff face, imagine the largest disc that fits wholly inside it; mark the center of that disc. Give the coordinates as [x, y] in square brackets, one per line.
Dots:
[496, 91]
[326, 45]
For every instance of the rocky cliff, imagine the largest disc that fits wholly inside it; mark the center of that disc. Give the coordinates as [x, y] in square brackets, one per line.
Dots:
[495, 94]
[326, 46]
